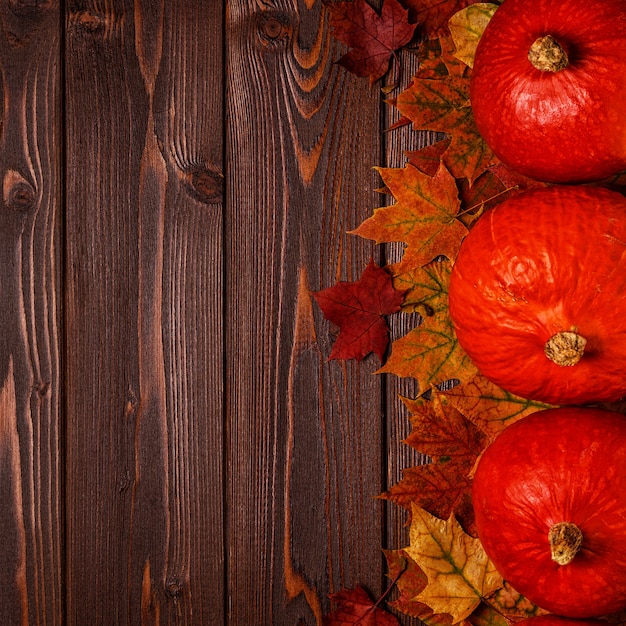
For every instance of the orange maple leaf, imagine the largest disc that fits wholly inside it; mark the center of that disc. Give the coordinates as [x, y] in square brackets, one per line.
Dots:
[488, 406]
[424, 215]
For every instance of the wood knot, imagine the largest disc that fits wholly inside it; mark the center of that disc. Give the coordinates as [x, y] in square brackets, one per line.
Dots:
[205, 184]
[274, 27]
[174, 589]
[18, 194]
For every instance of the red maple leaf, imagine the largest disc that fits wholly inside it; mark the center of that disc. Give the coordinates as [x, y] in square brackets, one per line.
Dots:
[359, 310]
[354, 606]
[373, 38]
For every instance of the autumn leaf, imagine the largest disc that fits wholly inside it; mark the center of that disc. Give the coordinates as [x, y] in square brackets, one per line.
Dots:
[444, 433]
[488, 406]
[428, 159]
[443, 105]
[354, 606]
[411, 581]
[458, 570]
[512, 604]
[437, 60]
[454, 444]
[439, 488]
[359, 309]
[433, 15]
[467, 27]
[373, 38]
[425, 287]
[423, 217]
[431, 354]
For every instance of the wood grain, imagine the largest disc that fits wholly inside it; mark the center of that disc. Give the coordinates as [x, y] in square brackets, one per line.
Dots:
[31, 487]
[304, 445]
[144, 312]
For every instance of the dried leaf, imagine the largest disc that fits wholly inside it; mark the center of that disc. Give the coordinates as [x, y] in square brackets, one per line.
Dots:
[509, 603]
[467, 27]
[373, 38]
[488, 406]
[431, 354]
[458, 570]
[426, 288]
[444, 433]
[433, 15]
[424, 216]
[439, 488]
[354, 606]
[443, 105]
[410, 584]
[428, 159]
[359, 309]
[437, 60]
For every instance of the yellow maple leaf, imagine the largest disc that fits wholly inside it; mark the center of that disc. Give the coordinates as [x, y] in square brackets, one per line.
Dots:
[458, 570]
[467, 26]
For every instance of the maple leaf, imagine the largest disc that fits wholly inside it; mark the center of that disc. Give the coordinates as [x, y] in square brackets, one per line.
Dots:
[437, 59]
[467, 27]
[443, 105]
[458, 570]
[488, 406]
[356, 607]
[507, 602]
[439, 488]
[411, 581]
[431, 354]
[425, 287]
[442, 432]
[373, 38]
[423, 217]
[433, 15]
[454, 444]
[359, 309]
[428, 159]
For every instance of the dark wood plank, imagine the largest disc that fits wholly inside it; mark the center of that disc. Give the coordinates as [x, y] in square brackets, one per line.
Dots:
[304, 448]
[144, 312]
[31, 488]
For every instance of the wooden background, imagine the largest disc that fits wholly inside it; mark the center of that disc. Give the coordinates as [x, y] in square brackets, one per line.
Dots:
[175, 448]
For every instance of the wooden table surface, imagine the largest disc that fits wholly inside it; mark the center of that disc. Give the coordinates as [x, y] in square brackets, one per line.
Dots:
[175, 446]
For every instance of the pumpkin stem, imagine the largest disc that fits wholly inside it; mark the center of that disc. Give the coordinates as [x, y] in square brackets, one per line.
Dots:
[565, 540]
[565, 348]
[547, 55]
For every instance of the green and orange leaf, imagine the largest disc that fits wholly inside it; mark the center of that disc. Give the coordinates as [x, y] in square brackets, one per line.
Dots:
[488, 406]
[424, 216]
[425, 288]
[443, 105]
[431, 354]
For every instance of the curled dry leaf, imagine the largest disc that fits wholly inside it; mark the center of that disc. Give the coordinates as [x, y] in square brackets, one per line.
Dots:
[354, 606]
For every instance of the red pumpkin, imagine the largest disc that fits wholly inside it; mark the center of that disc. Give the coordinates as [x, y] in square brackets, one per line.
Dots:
[538, 295]
[549, 497]
[556, 620]
[548, 88]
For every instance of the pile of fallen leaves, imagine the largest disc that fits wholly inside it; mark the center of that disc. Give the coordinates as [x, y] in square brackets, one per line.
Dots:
[444, 575]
